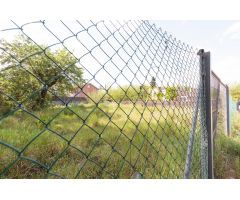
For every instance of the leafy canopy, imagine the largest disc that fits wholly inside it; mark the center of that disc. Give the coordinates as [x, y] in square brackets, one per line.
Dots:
[29, 71]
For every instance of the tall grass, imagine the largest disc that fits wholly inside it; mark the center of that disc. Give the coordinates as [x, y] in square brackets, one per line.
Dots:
[84, 141]
[227, 152]
[227, 157]
[236, 125]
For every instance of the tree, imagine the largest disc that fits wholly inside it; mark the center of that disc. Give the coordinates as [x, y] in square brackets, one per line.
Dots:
[153, 82]
[160, 95]
[171, 93]
[144, 92]
[235, 91]
[28, 73]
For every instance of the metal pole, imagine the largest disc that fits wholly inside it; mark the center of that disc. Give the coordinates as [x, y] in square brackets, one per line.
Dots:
[228, 113]
[204, 143]
[206, 117]
[208, 104]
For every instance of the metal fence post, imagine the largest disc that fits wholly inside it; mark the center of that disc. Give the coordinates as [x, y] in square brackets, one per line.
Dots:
[208, 106]
[228, 113]
[206, 116]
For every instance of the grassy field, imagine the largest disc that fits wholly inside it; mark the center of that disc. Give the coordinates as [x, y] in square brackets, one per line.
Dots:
[85, 141]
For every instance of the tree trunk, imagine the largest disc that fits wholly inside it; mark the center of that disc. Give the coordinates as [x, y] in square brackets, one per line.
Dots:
[42, 97]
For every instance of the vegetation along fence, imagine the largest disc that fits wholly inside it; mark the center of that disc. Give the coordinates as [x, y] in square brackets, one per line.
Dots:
[121, 99]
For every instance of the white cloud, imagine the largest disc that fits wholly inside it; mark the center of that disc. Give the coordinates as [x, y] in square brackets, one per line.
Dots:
[232, 32]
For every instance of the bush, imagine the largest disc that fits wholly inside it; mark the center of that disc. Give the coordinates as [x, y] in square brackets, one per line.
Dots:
[236, 125]
[143, 92]
[126, 93]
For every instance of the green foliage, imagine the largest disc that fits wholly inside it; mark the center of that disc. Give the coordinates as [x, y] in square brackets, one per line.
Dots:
[227, 152]
[227, 157]
[126, 93]
[143, 92]
[236, 125]
[235, 91]
[29, 73]
[97, 97]
[20, 128]
[160, 96]
[230, 145]
[171, 93]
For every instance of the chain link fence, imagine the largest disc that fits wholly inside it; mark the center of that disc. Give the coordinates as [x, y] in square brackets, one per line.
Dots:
[224, 116]
[100, 99]
[220, 106]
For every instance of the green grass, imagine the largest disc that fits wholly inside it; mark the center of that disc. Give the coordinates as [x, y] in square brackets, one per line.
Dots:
[86, 141]
[236, 125]
[227, 157]
[227, 152]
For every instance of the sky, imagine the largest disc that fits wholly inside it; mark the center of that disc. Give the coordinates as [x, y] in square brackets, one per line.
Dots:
[221, 38]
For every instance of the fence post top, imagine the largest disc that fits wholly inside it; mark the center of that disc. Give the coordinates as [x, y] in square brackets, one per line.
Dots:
[200, 52]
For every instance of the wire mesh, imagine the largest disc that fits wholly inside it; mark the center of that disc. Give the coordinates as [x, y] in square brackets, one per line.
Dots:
[220, 116]
[98, 99]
